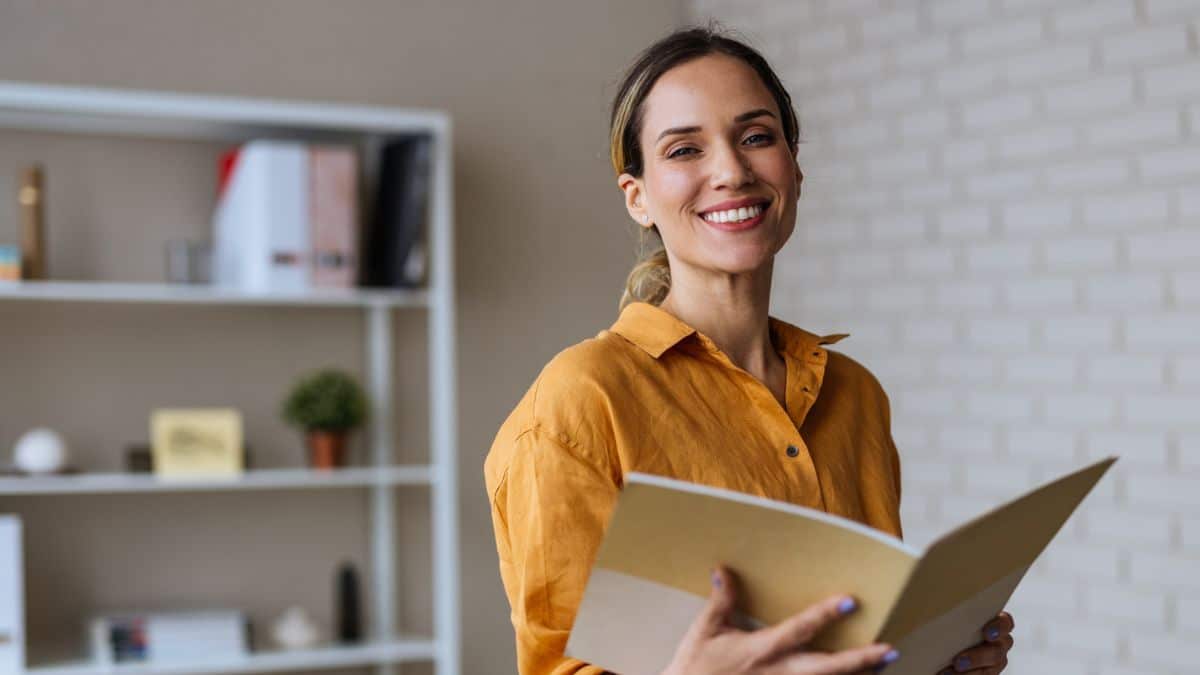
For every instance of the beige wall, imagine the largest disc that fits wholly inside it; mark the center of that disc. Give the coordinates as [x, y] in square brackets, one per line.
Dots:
[542, 247]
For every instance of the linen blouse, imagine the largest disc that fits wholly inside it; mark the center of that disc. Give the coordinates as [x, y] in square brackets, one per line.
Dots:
[652, 394]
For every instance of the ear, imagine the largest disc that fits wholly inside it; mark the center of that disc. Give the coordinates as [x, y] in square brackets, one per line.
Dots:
[799, 178]
[635, 202]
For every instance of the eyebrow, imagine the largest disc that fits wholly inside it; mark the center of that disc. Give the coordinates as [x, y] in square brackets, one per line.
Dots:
[746, 116]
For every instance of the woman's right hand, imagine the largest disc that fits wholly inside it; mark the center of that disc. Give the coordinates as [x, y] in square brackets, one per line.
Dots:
[714, 645]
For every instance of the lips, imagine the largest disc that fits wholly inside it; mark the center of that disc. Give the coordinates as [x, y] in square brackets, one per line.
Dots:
[736, 204]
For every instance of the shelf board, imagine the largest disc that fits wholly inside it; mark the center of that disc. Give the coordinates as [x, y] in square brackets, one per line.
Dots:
[103, 291]
[90, 110]
[395, 651]
[258, 479]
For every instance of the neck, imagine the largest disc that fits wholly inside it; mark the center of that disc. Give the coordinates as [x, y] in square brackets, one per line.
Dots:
[731, 309]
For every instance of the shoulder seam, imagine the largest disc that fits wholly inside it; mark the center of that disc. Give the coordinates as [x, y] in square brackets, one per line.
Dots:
[563, 441]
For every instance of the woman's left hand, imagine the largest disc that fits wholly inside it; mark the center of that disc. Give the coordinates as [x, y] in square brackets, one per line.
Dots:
[990, 656]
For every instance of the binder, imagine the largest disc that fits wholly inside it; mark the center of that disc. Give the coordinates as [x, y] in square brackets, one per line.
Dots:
[12, 596]
[261, 225]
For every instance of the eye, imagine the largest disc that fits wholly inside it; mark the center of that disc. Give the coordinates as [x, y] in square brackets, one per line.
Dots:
[765, 136]
[677, 152]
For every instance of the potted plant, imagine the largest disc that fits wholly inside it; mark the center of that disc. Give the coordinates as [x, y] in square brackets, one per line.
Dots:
[327, 404]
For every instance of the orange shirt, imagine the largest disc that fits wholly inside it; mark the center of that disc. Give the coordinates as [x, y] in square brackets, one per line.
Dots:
[652, 394]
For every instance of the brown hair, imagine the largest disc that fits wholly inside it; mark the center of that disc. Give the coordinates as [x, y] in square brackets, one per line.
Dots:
[650, 279]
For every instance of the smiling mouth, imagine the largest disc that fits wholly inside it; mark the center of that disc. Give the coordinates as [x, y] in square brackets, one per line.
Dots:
[734, 216]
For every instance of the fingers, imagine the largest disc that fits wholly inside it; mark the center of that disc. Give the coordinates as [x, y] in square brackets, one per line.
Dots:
[857, 660]
[721, 600]
[800, 629]
[870, 658]
[998, 627]
[983, 658]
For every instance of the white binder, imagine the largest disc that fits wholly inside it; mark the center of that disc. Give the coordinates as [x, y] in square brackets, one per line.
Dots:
[12, 597]
[261, 225]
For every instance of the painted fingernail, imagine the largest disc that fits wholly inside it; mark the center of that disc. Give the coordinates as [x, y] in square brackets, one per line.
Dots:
[888, 659]
[993, 633]
[963, 663]
[716, 580]
[847, 605]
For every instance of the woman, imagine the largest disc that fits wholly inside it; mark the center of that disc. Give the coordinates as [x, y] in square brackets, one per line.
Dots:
[694, 380]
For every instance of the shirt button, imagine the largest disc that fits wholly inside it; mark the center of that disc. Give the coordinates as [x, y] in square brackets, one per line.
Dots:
[792, 451]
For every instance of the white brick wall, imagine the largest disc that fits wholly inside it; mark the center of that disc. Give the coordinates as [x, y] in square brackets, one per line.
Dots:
[1002, 207]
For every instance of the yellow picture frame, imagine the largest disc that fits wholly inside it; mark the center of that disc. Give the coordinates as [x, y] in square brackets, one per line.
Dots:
[197, 442]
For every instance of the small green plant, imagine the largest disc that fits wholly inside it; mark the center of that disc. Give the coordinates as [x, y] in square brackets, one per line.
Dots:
[326, 400]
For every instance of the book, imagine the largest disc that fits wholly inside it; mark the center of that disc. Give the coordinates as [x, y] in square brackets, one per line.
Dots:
[394, 254]
[651, 575]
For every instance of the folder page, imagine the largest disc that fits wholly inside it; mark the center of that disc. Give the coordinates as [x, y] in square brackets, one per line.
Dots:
[966, 576]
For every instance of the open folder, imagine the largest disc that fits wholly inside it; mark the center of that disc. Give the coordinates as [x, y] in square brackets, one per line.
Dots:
[651, 575]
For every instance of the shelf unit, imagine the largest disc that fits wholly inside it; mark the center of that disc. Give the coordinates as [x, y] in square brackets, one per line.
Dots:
[394, 651]
[84, 110]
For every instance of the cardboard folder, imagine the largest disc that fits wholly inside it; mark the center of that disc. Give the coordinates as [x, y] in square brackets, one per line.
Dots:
[651, 575]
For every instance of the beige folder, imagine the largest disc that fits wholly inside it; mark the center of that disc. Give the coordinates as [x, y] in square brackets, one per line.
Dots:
[651, 574]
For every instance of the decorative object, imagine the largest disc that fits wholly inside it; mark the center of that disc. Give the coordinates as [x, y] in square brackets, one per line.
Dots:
[197, 442]
[138, 458]
[10, 263]
[31, 197]
[295, 629]
[349, 609]
[40, 451]
[12, 597]
[327, 404]
[188, 261]
[168, 637]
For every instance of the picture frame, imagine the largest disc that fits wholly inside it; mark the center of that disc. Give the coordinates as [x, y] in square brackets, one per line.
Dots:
[197, 442]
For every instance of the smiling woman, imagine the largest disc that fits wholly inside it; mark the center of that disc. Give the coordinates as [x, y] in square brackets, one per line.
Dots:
[695, 381]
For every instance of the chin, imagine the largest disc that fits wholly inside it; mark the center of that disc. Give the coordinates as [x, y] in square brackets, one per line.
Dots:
[738, 264]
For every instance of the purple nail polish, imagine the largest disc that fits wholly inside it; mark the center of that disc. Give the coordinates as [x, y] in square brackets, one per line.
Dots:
[993, 633]
[716, 580]
[963, 663]
[887, 660]
[847, 605]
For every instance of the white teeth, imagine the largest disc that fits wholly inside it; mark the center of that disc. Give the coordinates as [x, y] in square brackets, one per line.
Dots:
[734, 215]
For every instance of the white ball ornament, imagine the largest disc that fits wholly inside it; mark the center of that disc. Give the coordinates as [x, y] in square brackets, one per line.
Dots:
[40, 451]
[295, 629]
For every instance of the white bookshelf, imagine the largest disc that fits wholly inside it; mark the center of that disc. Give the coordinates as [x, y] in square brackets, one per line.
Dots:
[83, 110]
[373, 654]
[204, 294]
[259, 479]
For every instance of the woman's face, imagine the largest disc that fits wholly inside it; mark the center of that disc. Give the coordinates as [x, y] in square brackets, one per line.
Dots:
[715, 155]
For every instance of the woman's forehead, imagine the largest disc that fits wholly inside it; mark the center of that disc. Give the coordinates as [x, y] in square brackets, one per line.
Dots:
[712, 89]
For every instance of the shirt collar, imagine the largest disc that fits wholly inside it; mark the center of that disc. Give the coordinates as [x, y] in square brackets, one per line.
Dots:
[655, 330]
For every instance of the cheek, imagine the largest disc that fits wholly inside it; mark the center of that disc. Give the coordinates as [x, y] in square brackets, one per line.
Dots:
[674, 187]
[779, 170]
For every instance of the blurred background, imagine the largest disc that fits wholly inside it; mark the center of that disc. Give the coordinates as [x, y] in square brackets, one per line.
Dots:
[1001, 206]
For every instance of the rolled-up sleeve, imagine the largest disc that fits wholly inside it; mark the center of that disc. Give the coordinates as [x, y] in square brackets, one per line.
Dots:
[550, 506]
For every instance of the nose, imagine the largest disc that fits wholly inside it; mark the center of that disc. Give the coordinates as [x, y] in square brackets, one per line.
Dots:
[731, 168]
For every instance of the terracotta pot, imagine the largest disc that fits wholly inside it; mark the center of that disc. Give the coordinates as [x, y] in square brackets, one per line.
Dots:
[327, 449]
